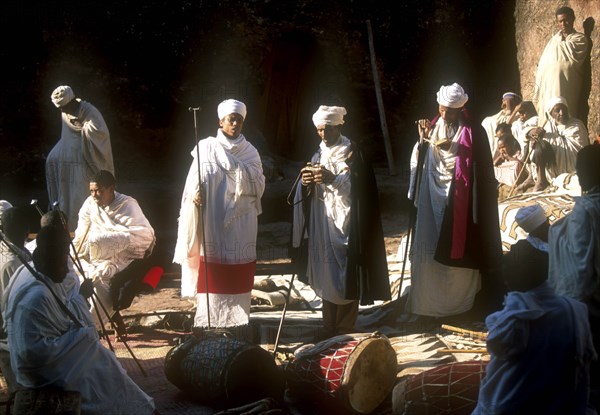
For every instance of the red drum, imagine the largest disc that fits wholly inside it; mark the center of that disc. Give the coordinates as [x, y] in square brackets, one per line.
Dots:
[359, 372]
[451, 388]
[223, 371]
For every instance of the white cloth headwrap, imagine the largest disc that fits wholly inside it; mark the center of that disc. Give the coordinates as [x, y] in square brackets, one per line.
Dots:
[329, 116]
[530, 217]
[555, 101]
[511, 94]
[452, 96]
[62, 95]
[231, 106]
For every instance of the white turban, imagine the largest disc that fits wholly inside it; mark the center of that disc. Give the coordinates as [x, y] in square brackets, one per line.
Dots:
[231, 106]
[329, 116]
[555, 101]
[530, 217]
[4, 204]
[512, 94]
[452, 96]
[62, 95]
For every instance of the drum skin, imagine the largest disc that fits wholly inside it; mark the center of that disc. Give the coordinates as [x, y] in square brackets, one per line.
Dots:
[451, 388]
[358, 372]
[223, 371]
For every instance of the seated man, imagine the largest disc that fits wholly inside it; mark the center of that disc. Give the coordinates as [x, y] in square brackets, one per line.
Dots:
[567, 135]
[507, 163]
[51, 348]
[540, 344]
[533, 220]
[113, 240]
[526, 119]
[507, 114]
[539, 156]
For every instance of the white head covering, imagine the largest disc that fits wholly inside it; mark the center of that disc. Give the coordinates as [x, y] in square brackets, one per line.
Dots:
[511, 94]
[329, 116]
[62, 95]
[555, 101]
[530, 217]
[452, 96]
[231, 106]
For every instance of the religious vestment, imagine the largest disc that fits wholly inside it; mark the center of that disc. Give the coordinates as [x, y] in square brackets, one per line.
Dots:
[108, 239]
[48, 349]
[560, 72]
[540, 349]
[83, 150]
[232, 183]
[337, 227]
[457, 236]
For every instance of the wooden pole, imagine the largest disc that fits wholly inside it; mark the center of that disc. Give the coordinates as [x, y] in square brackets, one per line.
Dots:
[382, 120]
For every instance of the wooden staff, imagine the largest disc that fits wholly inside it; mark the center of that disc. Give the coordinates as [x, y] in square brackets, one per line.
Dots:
[478, 334]
[514, 186]
[476, 351]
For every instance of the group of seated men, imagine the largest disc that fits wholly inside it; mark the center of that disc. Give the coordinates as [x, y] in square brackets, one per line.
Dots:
[528, 156]
[78, 285]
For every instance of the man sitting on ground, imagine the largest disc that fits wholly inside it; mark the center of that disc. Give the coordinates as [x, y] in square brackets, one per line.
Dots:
[113, 240]
[507, 163]
[51, 348]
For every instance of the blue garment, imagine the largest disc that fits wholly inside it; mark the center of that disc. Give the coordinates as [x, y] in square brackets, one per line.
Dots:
[540, 346]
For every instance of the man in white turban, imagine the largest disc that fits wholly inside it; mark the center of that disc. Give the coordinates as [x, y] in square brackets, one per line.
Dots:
[456, 235]
[337, 227]
[560, 70]
[533, 220]
[218, 222]
[83, 150]
[507, 114]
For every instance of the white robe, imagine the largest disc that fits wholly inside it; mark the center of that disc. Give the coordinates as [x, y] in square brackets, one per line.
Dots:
[559, 72]
[83, 150]
[108, 239]
[232, 184]
[328, 228]
[520, 128]
[490, 124]
[48, 350]
[437, 290]
[566, 141]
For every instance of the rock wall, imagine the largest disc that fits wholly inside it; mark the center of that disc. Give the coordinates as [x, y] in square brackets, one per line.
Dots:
[535, 24]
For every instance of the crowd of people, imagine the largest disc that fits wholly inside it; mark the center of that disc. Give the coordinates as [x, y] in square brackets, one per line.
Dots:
[542, 299]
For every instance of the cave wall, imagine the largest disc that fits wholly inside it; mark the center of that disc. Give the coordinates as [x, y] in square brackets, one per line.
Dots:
[535, 24]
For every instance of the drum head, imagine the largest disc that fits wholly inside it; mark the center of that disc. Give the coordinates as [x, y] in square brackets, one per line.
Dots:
[370, 374]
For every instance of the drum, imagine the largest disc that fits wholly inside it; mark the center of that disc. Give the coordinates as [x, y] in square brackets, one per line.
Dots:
[358, 372]
[223, 371]
[451, 388]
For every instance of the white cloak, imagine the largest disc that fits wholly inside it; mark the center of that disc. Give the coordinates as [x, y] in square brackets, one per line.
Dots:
[566, 141]
[232, 185]
[83, 150]
[328, 228]
[48, 350]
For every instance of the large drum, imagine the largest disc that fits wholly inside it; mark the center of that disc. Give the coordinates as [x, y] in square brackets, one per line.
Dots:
[223, 371]
[357, 371]
[451, 388]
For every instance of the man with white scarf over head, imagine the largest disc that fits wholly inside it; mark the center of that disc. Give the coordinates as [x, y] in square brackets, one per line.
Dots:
[83, 150]
[228, 196]
[337, 227]
[457, 236]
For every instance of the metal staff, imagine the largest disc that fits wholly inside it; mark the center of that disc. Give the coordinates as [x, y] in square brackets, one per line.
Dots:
[77, 263]
[289, 291]
[201, 207]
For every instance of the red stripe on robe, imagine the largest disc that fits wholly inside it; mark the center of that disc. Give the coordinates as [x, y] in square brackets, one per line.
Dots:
[226, 278]
[462, 191]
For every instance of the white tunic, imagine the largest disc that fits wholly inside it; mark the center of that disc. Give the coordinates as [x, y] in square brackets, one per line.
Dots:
[232, 185]
[48, 350]
[328, 227]
[83, 150]
[437, 290]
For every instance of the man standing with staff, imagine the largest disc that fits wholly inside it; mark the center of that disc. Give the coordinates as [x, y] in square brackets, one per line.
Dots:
[218, 222]
[457, 236]
[337, 227]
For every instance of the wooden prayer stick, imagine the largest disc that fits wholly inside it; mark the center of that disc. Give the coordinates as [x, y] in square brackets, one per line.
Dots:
[478, 334]
[476, 351]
